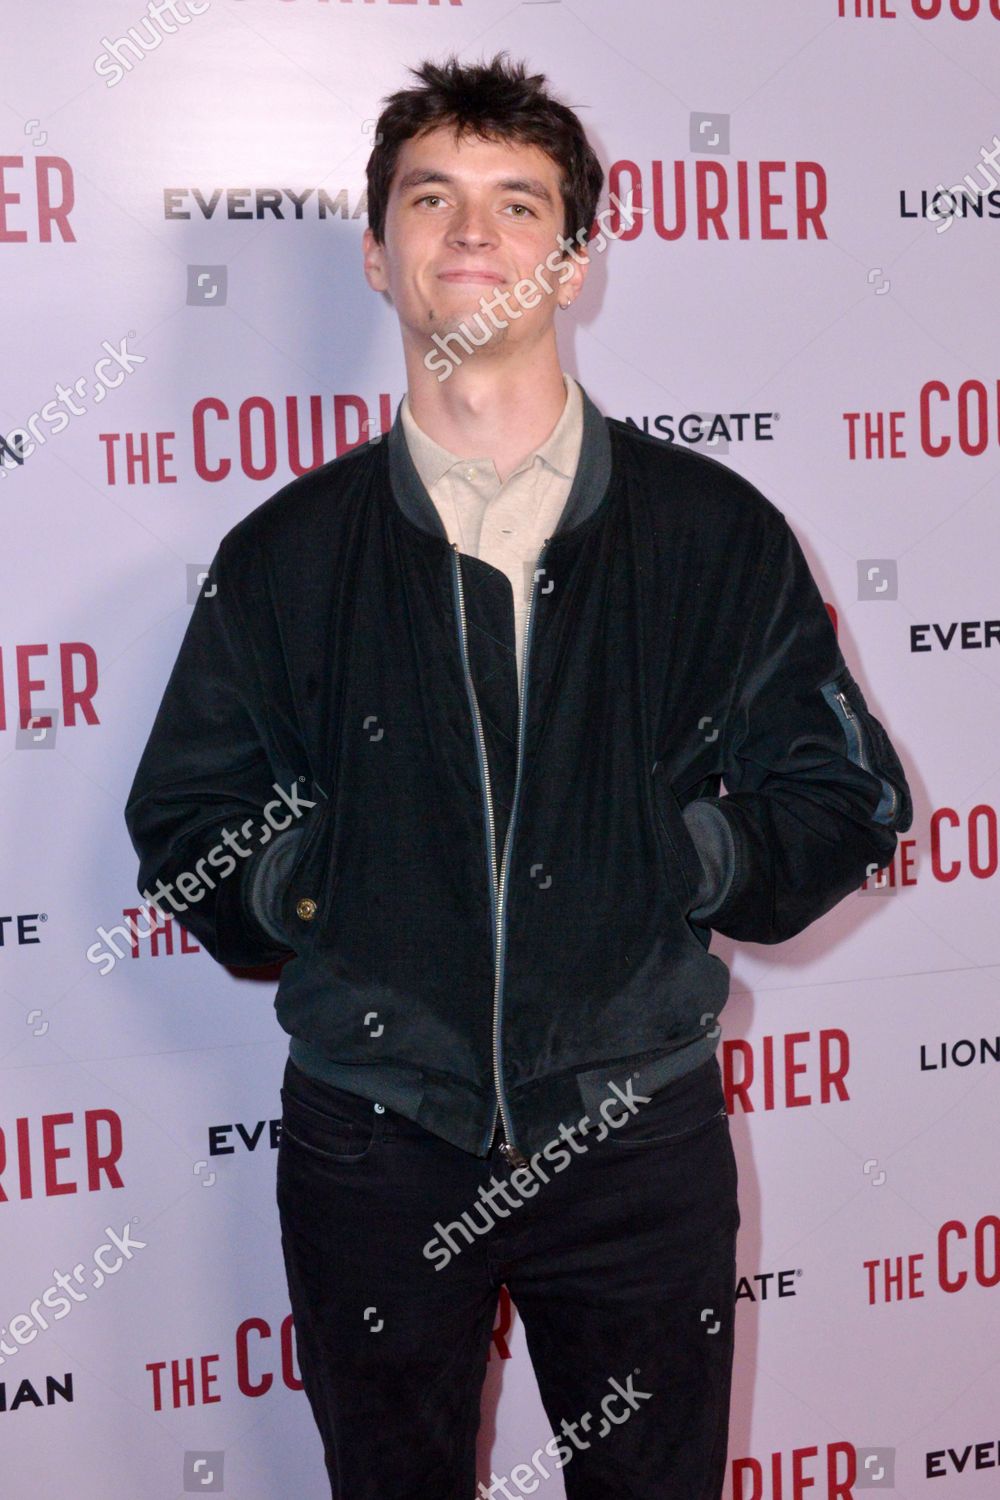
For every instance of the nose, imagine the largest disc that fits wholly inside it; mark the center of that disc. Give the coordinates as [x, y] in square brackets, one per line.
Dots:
[473, 228]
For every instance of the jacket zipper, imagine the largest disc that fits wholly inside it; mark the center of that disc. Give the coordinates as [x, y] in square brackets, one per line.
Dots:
[852, 720]
[497, 887]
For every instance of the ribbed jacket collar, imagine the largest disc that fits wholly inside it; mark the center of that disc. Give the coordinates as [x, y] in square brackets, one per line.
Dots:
[593, 473]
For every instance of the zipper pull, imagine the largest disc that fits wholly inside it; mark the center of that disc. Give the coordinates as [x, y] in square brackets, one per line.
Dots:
[848, 710]
[513, 1155]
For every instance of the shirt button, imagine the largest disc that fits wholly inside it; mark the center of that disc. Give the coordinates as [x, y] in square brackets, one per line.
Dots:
[470, 473]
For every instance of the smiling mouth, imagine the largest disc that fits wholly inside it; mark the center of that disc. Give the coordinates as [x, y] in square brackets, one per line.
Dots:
[477, 277]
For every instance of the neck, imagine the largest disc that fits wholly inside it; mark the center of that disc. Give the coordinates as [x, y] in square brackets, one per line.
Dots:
[488, 407]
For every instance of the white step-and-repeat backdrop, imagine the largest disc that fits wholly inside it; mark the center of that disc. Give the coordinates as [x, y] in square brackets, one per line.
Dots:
[812, 297]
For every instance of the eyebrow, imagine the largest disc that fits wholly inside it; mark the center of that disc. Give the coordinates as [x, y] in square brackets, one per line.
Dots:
[530, 186]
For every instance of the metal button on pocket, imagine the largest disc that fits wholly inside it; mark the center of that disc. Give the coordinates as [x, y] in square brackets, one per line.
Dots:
[309, 870]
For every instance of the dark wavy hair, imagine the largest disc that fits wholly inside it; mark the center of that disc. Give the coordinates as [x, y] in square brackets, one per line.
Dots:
[496, 101]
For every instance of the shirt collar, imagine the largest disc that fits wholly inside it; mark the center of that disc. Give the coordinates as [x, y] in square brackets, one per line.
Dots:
[591, 487]
[560, 450]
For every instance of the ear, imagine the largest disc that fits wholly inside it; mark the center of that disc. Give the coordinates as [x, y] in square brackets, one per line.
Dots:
[581, 267]
[374, 262]
[570, 286]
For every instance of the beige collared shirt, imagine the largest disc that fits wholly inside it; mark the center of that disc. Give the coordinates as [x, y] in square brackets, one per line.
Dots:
[503, 524]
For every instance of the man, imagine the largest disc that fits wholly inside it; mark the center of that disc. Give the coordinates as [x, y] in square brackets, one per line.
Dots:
[487, 675]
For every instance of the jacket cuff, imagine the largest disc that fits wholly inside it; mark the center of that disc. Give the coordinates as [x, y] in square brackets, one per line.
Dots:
[713, 838]
[265, 880]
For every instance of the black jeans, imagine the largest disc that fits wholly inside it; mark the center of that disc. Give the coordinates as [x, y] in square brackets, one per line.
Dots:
[621, 1266]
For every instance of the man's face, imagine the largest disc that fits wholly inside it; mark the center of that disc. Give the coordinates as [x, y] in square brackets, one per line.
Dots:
[464, 218]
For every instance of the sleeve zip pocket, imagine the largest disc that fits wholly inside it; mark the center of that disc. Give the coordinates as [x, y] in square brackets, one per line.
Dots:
[869, 747]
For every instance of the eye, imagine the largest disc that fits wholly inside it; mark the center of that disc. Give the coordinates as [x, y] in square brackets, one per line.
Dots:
[427, 197]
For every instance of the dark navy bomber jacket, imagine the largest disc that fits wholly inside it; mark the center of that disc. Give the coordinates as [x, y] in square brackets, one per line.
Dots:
[492, 909]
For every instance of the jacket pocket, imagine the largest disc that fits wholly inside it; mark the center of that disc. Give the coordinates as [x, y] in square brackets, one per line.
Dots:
[682, 862]
[302, 902]
[869, 747]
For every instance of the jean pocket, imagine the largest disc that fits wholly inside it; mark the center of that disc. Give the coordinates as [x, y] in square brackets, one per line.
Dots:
[327, 1133]
[684, 1108]
[636, 1132]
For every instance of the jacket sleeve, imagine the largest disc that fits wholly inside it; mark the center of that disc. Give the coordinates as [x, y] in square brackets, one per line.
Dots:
[196, 809]
[816, 794]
